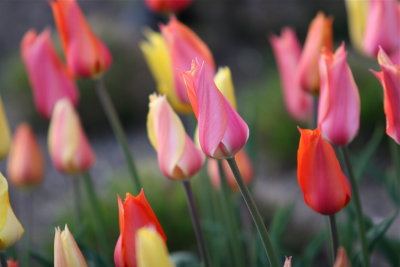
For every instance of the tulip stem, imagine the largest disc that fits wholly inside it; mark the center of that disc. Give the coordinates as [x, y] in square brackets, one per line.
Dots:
[255, 214]
[359, 214]
[77, 197]
[334, 235]
[3, 259]
[196, 223]
[119, 132]
[396, 157]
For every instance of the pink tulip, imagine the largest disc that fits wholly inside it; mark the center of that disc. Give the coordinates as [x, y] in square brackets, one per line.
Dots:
[339, 103]
[287, 50]
[390, 80]
[222, 132]
[49, 78]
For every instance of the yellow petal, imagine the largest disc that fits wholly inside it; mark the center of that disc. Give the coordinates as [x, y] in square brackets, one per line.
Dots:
[357, 12]
[66, 251]
[5, 135]
[223, 81]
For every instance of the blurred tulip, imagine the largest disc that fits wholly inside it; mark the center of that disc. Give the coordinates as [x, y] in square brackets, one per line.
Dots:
[319, 36]
[341, 259]
[66, 251]
[325, 188]
[10, 228]
[178, 157]
[134, 214]
[86, 55]
[25, 164]
[222, 132]
[158, 59]
[357, 12]
[245, 168]
[339, 102]
[68, 145]
[5, 135]
[288, 262]
[390, 80]
[224, 83]
[167, 6]
[287, 51]
[49, 78]
[184, 46]
[12, 263]
[148, 244]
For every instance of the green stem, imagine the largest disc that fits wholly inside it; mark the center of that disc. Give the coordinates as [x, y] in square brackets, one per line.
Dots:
[77, 199]
[356, 197]
[118, 130]
[196, 223]
[395, 150]
[3, 259]
[255, 214]
[334, 235]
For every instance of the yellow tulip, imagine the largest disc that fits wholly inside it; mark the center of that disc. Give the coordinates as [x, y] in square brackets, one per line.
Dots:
[66, 251]
[357, 12]
[11, 229]
[5, 135]
[224, 83]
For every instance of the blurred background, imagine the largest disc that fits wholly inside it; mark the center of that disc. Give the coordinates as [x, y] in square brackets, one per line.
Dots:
[237, 33]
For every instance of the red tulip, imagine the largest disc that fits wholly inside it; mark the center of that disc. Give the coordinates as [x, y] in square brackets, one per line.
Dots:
[86, 55]
[325, 188]
[49, 78]
[390, 80]
[339, 102]
[134, 214]
[222, 132]
[12, 263]
[166, 6]
[287, 51]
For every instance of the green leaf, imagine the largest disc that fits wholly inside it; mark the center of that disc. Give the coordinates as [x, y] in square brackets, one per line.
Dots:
[376, 232]
[279, 224]
[45, 262]
[311, 251]
[185, 259]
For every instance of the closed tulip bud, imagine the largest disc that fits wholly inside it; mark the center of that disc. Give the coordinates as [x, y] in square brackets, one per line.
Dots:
[341, 259]
[68, 145]
[66, 251]
[178, 157]
[184, 46]
[222, 132]
[167, 6]
[390, 81]
[151, 250]
[86, 55]
[288, 262]
[12, 263]
[48, 76]
[339, 102]
[319, 36]
[10, 228]
[5, 135]
[325, 188]
[287, 51]
[224, 83]
[357, 12]
[25, 165]
[134, 213]
[158, 59]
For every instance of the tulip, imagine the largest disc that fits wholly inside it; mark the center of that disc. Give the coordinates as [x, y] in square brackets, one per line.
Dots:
[184, 46]
[319, 36]
[339, 102]
[383, 27]
[287, 52]
[288, 262]
[10, 228]
[178, 157]
[222, 132]
[86, 55]
[390, 80]
[68, 145]
[148, 244]
[357, 12]
[49, 78]
[324, 186]
[167, 6]
[12, 263]
[245, 168]
[341, 259]
[224, 83]
[158, 59]
[134, 214]
[25, 165]
[66, 251]
[5, 135]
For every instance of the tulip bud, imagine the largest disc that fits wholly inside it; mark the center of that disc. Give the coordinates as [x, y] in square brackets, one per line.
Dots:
[12, 263]
[48, 76]
[5, 135]
[86, 55]
[222, 132]
[288, 262]
[341, 259]
[287, 51]
[178, 157]
[10, 228]
[166, 6]
[324, 186]
[66, 251]
[68, 145]
[224, 83]
[390, 80]
[319, 36]
[148, 244]
[339, 102]
[357, 12]
[25, 164]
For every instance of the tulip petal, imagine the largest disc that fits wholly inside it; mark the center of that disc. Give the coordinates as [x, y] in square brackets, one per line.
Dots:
[5, 134]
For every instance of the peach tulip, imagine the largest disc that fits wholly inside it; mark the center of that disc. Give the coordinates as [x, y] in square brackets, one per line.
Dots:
[66, 250]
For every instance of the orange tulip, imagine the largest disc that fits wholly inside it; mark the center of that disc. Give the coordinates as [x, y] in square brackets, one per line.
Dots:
[325, 188]
[86, 55]
[341, 259]
[25, 164]
[165, 6]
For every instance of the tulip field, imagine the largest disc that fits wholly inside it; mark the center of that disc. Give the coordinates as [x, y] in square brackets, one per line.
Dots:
[130, 144]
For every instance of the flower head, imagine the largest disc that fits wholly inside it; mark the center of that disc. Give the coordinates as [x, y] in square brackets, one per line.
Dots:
[66, 251]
